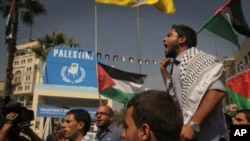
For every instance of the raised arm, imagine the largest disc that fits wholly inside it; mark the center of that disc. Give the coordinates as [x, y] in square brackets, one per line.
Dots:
[163, 68]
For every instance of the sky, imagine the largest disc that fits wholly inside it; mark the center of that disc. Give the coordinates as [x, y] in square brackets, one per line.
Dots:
[118, 31]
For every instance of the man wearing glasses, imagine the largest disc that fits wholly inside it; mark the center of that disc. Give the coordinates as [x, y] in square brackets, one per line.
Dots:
[104, 121]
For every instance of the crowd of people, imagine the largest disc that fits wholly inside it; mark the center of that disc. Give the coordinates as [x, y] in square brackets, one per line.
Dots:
[189, 110]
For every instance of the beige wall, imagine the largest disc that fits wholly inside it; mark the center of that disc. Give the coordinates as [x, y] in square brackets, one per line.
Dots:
[242, 57]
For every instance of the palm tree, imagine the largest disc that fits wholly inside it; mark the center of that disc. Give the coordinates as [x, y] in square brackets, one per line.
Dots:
[72, 42]
[48, 42]
[28, 9]
[51, 40]
[32, 8]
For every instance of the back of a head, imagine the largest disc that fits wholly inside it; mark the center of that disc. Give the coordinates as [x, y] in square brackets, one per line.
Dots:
[160, 111]
[81, 115]
[188, 32]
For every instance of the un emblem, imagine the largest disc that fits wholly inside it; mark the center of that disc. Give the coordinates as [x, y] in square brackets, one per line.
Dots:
[73, 73]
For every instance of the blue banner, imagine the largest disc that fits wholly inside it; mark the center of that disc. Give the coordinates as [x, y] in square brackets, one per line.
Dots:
[71, 66]
[60, 112]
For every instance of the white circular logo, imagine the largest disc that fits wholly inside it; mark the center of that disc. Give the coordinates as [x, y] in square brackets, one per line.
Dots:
[70, 74]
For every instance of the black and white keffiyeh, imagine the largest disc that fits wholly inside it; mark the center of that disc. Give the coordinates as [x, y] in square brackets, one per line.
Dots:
[198, 71]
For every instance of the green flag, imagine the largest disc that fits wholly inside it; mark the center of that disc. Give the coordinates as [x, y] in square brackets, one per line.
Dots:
[228, 22]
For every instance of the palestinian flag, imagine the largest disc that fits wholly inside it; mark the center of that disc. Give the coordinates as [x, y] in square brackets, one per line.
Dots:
[11, 20]
[238, 87]
[228, 22]
[119, 85]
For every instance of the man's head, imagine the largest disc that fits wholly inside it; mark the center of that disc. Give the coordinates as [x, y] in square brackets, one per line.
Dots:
[179, 38]
[76, 124]
[55, 130]
[242, 117]
[152, 116]
[104, 116]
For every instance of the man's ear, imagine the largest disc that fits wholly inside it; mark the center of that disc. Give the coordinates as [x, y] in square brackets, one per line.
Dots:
[80, 125]
[145, 132]
[111, 117]
[182, 39]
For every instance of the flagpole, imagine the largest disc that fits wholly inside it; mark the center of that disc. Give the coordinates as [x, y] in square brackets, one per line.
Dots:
[96, 46]
[10, 39]
[138, 39]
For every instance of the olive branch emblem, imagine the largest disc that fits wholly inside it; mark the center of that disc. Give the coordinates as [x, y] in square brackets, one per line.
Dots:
[66, 79]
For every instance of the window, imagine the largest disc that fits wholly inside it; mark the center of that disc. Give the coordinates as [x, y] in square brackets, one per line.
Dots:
[22, 61]
[28, 69]
[16, 63]
[27, 87]
[17, 77]
[20, 52]
[28, 78]
[19, 88]
[29, 60]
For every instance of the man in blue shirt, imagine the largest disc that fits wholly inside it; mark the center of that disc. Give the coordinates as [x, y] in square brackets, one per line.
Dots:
[104, 121]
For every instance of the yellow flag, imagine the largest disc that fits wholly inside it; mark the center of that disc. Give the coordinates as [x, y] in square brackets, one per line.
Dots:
[130, 3]
[165, 6]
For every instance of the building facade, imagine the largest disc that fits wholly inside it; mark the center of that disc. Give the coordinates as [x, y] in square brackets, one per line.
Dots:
[25, 68]
[242, 57]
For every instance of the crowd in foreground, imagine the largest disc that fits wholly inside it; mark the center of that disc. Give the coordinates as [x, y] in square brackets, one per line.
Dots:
[150, 116]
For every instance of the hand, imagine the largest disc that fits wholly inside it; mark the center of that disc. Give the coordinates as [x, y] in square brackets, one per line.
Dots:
[164, 63]
[10, 117]
[187, 133]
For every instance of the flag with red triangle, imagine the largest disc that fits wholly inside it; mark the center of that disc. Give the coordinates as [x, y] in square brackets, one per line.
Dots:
[238, 87]
[119, 85]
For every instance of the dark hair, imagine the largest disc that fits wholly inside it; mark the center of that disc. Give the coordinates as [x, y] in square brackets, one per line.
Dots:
[188, 32]
[246, 112]
[81, 115]
[160, 111]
